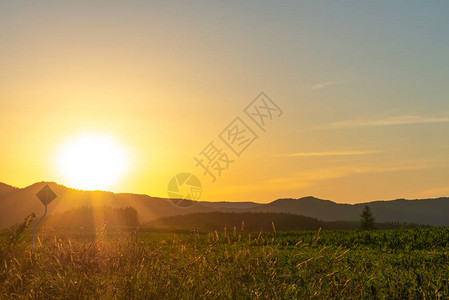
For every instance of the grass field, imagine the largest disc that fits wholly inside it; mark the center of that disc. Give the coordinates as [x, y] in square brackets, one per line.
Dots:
[132, 264]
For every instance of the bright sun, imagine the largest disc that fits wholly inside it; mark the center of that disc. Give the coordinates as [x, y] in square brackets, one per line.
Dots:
[93, 162]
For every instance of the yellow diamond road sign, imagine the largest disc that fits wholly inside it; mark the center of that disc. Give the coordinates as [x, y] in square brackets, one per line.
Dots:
[46, 195]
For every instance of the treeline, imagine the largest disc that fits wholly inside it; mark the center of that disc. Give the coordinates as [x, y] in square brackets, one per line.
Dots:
[258, 221]
[93, 217]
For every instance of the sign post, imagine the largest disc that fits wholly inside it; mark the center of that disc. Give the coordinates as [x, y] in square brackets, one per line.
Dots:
[46, 195]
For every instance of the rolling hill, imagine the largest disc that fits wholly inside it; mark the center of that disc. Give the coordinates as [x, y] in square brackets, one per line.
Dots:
[424, 211]
[15, 204]
[5, 189]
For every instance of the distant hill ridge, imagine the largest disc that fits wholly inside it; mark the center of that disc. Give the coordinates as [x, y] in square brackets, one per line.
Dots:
[421, 211]
[4, 188]
[17, 203]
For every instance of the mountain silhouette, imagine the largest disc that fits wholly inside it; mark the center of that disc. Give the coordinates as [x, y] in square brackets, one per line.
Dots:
[5, 189]
[16, 204]
[423, 211]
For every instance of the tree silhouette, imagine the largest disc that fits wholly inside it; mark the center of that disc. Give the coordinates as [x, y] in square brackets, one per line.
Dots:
[367, 219]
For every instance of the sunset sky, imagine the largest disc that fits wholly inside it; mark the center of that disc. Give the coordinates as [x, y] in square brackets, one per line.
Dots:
[363, 87]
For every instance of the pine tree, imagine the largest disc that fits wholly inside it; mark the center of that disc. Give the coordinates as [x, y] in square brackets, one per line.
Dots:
[367, 219]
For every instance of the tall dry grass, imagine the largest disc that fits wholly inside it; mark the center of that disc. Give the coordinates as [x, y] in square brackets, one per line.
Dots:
[217, 265]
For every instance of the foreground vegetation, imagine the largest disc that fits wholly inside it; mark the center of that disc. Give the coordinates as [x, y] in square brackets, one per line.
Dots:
[130, 264]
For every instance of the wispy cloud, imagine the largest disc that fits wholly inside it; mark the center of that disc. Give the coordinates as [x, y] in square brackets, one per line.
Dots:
[387, 121]
[321, 85]
[331, 153]
[311, 177]
[435, 192]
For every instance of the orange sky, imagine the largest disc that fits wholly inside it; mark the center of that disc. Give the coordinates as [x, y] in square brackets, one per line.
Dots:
[365, 110]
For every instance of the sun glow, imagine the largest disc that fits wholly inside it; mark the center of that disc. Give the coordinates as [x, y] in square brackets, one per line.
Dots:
[92, 162]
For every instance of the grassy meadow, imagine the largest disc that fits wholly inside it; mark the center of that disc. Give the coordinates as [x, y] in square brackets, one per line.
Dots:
[227, 264]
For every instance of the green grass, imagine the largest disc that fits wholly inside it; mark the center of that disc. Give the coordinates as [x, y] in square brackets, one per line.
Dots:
[130, 264]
